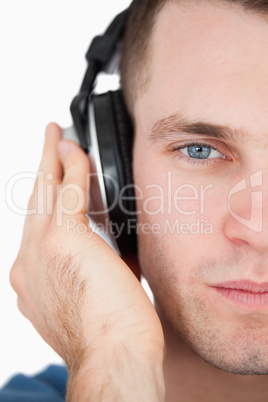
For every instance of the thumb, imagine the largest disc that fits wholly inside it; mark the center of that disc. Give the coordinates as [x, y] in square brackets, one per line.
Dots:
[72, 198]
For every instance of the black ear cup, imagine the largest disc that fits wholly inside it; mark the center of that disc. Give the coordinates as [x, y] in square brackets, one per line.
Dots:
[114, 132]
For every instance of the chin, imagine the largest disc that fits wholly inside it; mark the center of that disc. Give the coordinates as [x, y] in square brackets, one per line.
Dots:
[224, 344]
[239, 352]
[252, 365]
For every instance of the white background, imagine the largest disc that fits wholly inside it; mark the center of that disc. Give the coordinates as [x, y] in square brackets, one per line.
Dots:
[42, 48]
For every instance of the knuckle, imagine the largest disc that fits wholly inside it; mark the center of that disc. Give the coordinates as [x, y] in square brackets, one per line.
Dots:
[73, 194]
[15, 276]
[79, 162]
[21, 274]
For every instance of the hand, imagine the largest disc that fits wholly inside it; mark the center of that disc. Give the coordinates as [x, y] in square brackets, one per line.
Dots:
[77, 292]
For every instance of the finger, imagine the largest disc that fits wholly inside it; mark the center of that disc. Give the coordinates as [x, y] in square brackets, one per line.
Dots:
[72, 199]
[50, 170]
[41, 204]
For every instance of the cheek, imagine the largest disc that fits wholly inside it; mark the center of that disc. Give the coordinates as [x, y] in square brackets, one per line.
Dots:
[174, 286]
[185, 220]
[180, 220]
[194, 203]
[168, 260]
[172, 258]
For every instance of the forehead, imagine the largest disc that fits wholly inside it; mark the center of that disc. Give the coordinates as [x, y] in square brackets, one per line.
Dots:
[208, 60]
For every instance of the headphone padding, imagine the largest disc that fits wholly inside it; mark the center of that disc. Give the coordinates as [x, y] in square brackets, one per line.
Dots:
[115, 140]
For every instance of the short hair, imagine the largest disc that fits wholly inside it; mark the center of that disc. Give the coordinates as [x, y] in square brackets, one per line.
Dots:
[135, 66]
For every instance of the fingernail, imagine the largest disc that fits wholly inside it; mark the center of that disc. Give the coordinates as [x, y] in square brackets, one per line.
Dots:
[63, 148]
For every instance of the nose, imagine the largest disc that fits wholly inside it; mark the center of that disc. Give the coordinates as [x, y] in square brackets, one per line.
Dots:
[247, 221]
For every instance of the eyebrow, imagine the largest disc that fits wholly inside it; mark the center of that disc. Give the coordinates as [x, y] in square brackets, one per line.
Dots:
[176, 124]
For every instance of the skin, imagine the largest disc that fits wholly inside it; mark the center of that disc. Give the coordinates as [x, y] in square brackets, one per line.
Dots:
[112, 339]
[220, 77]
[79, 294]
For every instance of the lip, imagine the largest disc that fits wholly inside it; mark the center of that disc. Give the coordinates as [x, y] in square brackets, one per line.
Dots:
[245, 293]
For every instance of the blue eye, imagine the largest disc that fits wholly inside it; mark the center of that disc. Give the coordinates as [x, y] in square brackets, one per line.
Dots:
[199, 151]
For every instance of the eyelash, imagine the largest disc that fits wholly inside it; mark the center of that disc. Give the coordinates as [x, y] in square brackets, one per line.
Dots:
[194, 161]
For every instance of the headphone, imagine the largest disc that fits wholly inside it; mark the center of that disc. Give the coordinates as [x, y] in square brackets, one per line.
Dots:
[102, 127]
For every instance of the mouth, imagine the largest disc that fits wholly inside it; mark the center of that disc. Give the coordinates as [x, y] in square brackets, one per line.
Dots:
[247, 294]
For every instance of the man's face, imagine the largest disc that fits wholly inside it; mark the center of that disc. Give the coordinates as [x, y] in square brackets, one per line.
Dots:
[201, 128]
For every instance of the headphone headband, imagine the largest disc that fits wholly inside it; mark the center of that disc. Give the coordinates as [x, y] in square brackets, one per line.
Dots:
[99, 54]
[103, 47]
[103, 128]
